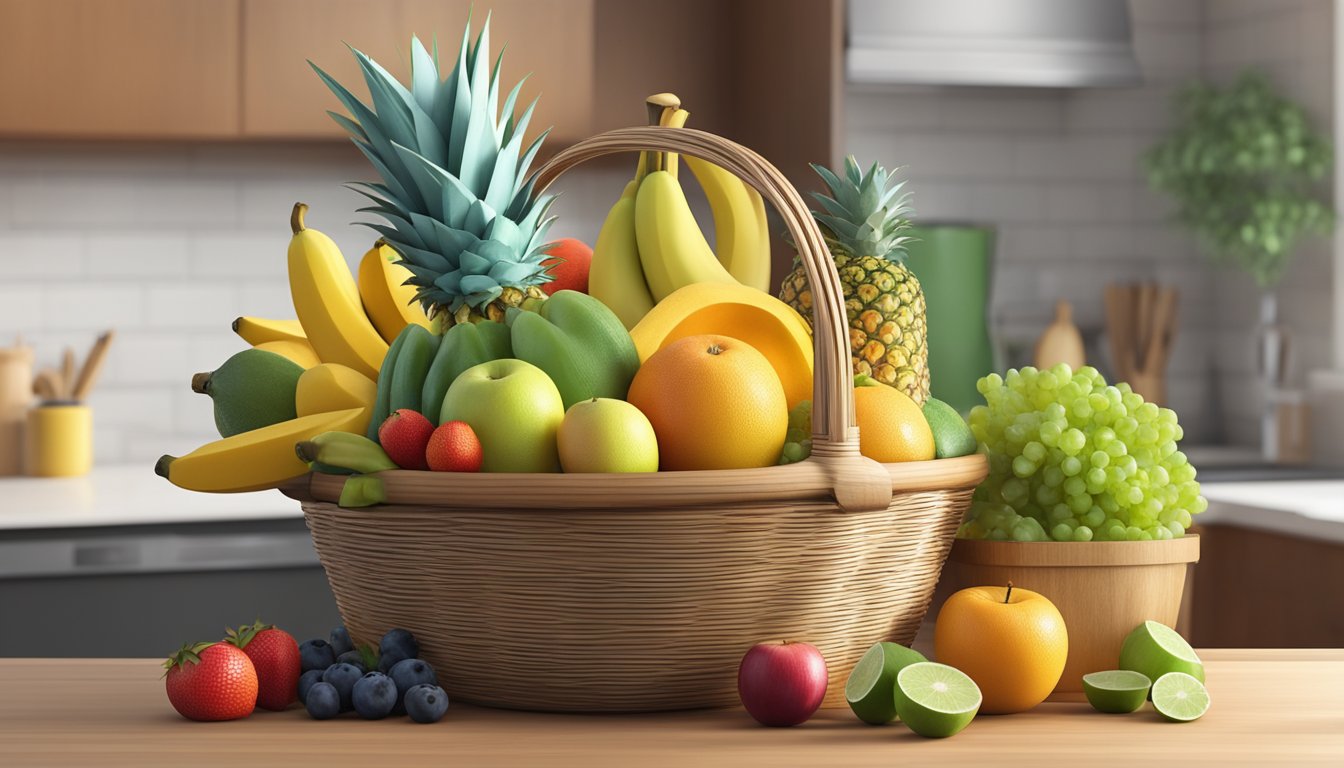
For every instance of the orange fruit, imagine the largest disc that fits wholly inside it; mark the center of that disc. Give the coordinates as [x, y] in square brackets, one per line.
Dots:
[714, 403]
[1012, 642]
[891, 427]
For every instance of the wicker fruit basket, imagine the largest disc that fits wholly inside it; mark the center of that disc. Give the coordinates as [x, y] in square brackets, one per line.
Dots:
[641, 592]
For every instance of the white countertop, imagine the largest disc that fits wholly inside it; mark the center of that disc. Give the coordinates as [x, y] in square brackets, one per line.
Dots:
[1312, 509]
[127, 495]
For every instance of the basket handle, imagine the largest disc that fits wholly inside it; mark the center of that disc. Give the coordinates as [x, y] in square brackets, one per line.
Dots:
[859, 483]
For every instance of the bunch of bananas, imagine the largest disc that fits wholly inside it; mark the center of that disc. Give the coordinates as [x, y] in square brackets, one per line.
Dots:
[650, 244]
[340, 339]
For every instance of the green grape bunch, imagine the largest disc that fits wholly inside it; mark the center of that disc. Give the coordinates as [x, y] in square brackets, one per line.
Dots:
[798, 442]
[1073, 459]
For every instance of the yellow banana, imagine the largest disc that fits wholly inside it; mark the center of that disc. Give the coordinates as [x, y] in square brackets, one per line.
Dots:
[616, 277]
[741, 233]
[259, 330]
[334, 387]
[671, 246]
[256, 460]
[327, 301]
[298, 352]
[389, 304]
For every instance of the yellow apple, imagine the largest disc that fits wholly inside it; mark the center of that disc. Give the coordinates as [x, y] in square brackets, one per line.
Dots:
[606, 435]
[1010, 641]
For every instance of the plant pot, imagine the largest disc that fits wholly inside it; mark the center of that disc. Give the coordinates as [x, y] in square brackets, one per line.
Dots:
[1103, 589]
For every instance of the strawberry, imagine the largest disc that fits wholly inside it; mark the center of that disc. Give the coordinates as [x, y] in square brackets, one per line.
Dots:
[275, 654]
[404, 436]
[211, 681]
[454, 447]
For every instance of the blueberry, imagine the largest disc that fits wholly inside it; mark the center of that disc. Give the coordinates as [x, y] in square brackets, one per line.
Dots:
[374, 696]
[353, 659]
[316, 654]
[390, 659]
[409, 673]
[340, 641]
[426, 703]
[399, 641]
[342, 677]
[323, 701]
[306, 681]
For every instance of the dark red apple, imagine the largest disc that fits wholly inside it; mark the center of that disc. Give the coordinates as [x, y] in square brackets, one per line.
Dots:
[569, 264]
[782, 683]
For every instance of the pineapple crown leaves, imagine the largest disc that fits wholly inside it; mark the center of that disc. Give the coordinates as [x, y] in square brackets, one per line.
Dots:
[187, 654]
[455, 190]
[866, 214]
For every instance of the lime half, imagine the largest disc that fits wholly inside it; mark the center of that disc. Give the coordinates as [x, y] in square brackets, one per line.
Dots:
[1117, 691]
[935, 700]
[871, 688]
[1155, 649]
[1180, 697]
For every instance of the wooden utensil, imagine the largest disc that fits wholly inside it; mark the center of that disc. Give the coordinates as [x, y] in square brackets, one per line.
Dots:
[47, 385]
[1141, 326]
[67, 374]
[16, 396]
[93, 364]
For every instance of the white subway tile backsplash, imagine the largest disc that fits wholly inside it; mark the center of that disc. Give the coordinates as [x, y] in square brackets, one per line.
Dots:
[265, 299]
[21, 311]
[91, 305]
[1008, 202]
[252, 254]
[41, 254]
[191, 304]
[135, 255]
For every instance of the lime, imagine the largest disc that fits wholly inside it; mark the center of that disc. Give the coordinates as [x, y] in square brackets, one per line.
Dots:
[1180, 697]
[935, 700]
[1155, 649]
[951, 436]
[871, 688]
[1118, 691]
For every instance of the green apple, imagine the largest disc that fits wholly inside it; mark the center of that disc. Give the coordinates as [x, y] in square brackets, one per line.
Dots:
[515, 410]
[605, 435]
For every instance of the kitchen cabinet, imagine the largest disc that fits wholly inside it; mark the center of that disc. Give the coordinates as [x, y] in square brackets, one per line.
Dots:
[125, 69]
[282, 98]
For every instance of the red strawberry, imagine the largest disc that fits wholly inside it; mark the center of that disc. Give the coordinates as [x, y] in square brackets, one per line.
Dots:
[275, 654]
[211, 681]
[454, 447]
[569, 263]
[404, 436]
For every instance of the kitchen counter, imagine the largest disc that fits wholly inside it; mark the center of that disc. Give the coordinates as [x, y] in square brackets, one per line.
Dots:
[1310, 509]
[127, 495]
[1270, 707]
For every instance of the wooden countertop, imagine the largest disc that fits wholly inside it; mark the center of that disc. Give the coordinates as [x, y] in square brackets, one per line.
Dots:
[1270, 707]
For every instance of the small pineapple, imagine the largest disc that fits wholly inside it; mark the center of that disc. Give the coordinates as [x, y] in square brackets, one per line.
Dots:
[863, 222]
[454, 192]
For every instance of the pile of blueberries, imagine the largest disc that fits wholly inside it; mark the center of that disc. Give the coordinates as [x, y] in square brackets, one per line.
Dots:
[337, 677]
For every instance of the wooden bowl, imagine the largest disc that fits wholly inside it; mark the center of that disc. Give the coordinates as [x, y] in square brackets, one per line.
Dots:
[1103, 589]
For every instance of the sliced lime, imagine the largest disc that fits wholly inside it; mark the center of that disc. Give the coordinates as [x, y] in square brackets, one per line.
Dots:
[1155, 649]
[871, 688]
[935, 700]
[1180, 697]
[1117, 691]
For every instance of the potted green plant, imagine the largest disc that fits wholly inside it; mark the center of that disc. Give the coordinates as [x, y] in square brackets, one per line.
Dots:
[1243, 164]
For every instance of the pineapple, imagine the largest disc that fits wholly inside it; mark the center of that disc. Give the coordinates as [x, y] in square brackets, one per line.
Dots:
[454, 192]
[863, 222]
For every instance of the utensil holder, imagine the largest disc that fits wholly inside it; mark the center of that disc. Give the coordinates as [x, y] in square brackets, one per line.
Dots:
[59, 440]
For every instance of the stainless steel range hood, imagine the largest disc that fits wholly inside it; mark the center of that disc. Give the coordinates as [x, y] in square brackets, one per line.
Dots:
[1039, 43]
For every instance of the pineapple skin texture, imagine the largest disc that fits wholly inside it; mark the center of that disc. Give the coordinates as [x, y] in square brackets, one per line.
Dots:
[888, 327]
[495, 310]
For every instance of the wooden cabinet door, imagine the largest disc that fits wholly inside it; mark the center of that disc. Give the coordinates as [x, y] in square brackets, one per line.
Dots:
[283, 98]
[124, 69]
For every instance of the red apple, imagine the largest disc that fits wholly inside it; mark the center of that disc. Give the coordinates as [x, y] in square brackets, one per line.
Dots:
[782, 683]
[569, 263]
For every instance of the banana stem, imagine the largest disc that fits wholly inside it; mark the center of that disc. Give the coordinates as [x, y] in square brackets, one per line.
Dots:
[296, 217]
[657, 106]
[677, 119]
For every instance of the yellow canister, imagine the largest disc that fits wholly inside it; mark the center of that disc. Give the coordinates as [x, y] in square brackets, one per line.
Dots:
[59, 440]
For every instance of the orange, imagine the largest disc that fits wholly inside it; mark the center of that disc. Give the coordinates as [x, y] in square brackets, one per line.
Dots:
[714, 403]
[1012, 642]
[891, 427]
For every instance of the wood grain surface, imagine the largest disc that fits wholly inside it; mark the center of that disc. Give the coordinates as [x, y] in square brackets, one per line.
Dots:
[1270, 707]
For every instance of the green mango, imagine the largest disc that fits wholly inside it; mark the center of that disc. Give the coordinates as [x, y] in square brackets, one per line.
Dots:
[463, 346]
[251, 390]
[382, 404]
[580, 343]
